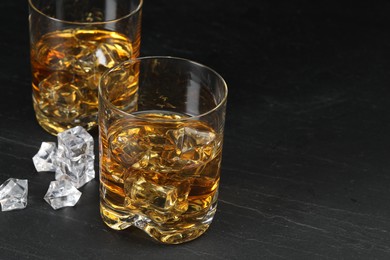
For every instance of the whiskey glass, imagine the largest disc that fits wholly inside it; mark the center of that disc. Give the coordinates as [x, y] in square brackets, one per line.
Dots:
[161, 124]
[72, 43]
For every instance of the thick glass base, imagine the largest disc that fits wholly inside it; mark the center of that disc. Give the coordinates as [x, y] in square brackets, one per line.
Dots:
[119, 220]
[115, 219]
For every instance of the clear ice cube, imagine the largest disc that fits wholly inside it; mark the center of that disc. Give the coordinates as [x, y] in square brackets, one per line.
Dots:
[61, 194]
[126, 147]
[157, 196]
[103, 56]
[60, 91]
[107, 55]
[142, 192]
[75, 156]
[84, 60]
[13, 194]
[192, 145]
[44, 159]
[188, 138]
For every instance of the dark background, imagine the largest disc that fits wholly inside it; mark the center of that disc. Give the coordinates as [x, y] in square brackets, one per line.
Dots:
[305, 173]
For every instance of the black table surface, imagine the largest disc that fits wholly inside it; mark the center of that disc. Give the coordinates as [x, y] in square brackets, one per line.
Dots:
[306, 169]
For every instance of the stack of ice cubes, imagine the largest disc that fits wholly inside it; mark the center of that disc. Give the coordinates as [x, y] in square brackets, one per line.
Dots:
[72, 162]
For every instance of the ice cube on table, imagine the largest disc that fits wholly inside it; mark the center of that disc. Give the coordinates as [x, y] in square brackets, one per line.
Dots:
[13, 194]
[62, 194]
[44, 159]
[75, 156]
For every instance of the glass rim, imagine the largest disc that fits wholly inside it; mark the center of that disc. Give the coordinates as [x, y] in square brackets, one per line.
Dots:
[190, 117]
[36, 9]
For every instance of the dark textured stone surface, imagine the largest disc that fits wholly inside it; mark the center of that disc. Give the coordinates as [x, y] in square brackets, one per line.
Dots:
[306, 169]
